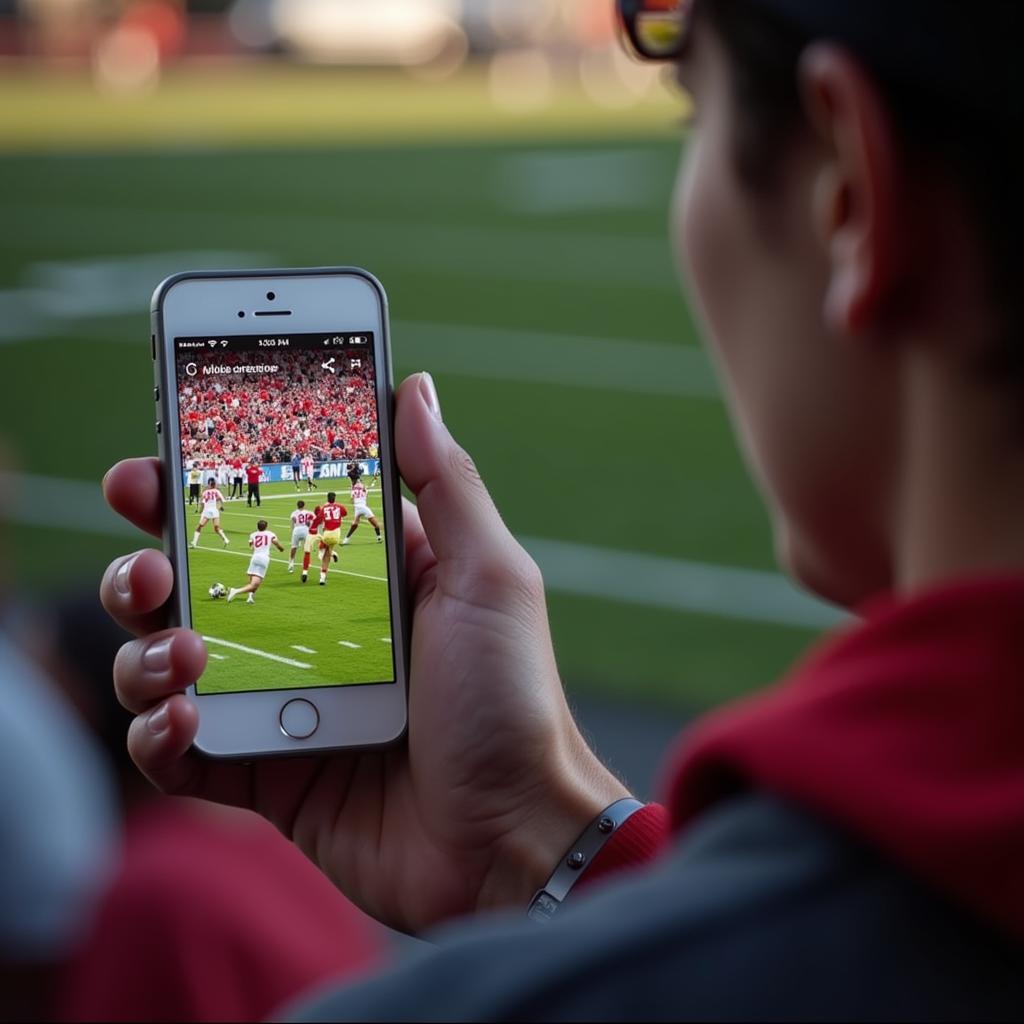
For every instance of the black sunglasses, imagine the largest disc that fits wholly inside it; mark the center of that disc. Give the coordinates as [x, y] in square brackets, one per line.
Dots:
[656, 29]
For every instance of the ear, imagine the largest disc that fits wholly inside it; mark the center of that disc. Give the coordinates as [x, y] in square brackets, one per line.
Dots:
[858, 208]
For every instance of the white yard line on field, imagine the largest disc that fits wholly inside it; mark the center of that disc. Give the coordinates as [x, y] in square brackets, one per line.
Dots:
[62, 296]
[348, 643]
[219, 657]
[385, 639]
[654, 581]
[257, 652]
[524, 252]
[303, 650]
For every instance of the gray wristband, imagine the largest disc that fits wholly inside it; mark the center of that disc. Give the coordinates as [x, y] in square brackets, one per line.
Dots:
[572, 866]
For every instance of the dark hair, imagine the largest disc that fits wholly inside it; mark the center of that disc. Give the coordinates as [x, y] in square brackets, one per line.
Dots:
[978, 156]
[261, 524]
[330, 495]
[300, 503]
[212, 481]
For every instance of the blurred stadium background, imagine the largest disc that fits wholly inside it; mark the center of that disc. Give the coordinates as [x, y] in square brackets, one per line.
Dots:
[506, 171]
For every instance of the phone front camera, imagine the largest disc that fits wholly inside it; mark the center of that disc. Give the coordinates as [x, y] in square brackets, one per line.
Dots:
[241, 313]
[271, 296]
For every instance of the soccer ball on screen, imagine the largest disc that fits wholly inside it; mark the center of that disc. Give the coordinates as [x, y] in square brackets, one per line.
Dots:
[218, 590]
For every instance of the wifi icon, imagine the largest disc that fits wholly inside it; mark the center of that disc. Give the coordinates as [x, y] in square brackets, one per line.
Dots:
[211, 343]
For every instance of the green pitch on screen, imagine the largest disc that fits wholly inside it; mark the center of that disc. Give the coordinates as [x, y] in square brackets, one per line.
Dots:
[295, 634]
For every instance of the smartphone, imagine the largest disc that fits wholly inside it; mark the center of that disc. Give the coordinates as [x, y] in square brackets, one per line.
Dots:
[283, 511]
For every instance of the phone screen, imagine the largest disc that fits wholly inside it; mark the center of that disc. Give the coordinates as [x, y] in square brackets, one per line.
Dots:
[284, 512]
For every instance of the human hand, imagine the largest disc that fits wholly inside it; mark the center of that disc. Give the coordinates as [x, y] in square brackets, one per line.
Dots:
[495, 780]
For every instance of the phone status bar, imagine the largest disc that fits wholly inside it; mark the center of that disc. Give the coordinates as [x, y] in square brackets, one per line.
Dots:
[273, 342]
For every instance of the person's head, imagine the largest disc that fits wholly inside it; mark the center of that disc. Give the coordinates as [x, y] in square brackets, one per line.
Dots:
[261, 524]
[212, 481]
[300, 504]
[847, 216]
[330, 495]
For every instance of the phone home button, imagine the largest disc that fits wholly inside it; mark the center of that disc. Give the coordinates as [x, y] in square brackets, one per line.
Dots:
[299, 719]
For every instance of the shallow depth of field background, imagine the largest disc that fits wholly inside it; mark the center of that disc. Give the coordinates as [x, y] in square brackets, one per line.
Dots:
[510, 193]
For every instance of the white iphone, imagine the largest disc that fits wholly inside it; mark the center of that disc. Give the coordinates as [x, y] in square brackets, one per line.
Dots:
[283, 510]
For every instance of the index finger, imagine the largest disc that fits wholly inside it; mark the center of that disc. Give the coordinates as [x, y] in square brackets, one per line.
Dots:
[134, 489]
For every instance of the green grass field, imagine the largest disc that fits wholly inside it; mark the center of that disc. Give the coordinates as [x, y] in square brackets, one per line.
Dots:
[528, 267]
[294, 634]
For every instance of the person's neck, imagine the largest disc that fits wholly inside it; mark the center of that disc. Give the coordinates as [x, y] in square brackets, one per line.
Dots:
[961, 493]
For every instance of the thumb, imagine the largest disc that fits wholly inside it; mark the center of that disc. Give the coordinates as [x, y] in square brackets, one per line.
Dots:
[458, 515]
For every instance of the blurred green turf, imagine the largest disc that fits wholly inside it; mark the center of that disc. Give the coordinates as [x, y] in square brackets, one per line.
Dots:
[632, 471]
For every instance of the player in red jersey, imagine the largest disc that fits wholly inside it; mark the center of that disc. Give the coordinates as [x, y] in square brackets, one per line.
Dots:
[213, 502]
[311, 540]
[332, 514]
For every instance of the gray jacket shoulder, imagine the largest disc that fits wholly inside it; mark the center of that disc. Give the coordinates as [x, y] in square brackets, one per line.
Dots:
[762, 912]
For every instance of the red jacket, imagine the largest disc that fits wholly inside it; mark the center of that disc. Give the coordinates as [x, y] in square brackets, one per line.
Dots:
[905, 729]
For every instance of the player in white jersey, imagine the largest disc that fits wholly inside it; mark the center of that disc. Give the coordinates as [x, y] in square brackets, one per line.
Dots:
[360, 511]
[301, 519]
[309, 472]
[260, 541]
[213, 502]
[224, 474]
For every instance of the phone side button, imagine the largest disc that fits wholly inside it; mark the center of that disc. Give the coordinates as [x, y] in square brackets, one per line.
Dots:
[299, 719]
[158, 427]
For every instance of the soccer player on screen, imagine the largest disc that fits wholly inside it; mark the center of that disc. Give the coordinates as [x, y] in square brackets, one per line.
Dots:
[195, 480]
[312, 541]
[332, 514]
[213, 502]
[308, 470]
[260, 541]
[360, 510]
[302, 517]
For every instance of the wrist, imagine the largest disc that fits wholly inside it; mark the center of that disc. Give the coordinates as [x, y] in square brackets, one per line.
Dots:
[577, 788]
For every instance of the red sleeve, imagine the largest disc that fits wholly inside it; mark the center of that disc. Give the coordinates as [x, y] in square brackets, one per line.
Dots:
[642, 837]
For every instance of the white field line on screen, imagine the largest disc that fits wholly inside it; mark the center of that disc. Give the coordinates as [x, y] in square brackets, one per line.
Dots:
[349, 644]
[270, 519]
[219, 657]
[385, 639]
[306, 496]
[284, 561]
[253, 650]
[302, 650]
[616, 577]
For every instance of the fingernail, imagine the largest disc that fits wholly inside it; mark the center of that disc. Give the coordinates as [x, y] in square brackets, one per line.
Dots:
[157, 656]
[159, 720]
[121, 576]
[429, 393]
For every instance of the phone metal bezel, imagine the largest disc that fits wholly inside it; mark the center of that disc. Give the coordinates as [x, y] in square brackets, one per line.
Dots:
[354, 716]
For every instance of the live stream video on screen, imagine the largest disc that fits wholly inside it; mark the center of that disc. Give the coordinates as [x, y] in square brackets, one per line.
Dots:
[284, 513]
